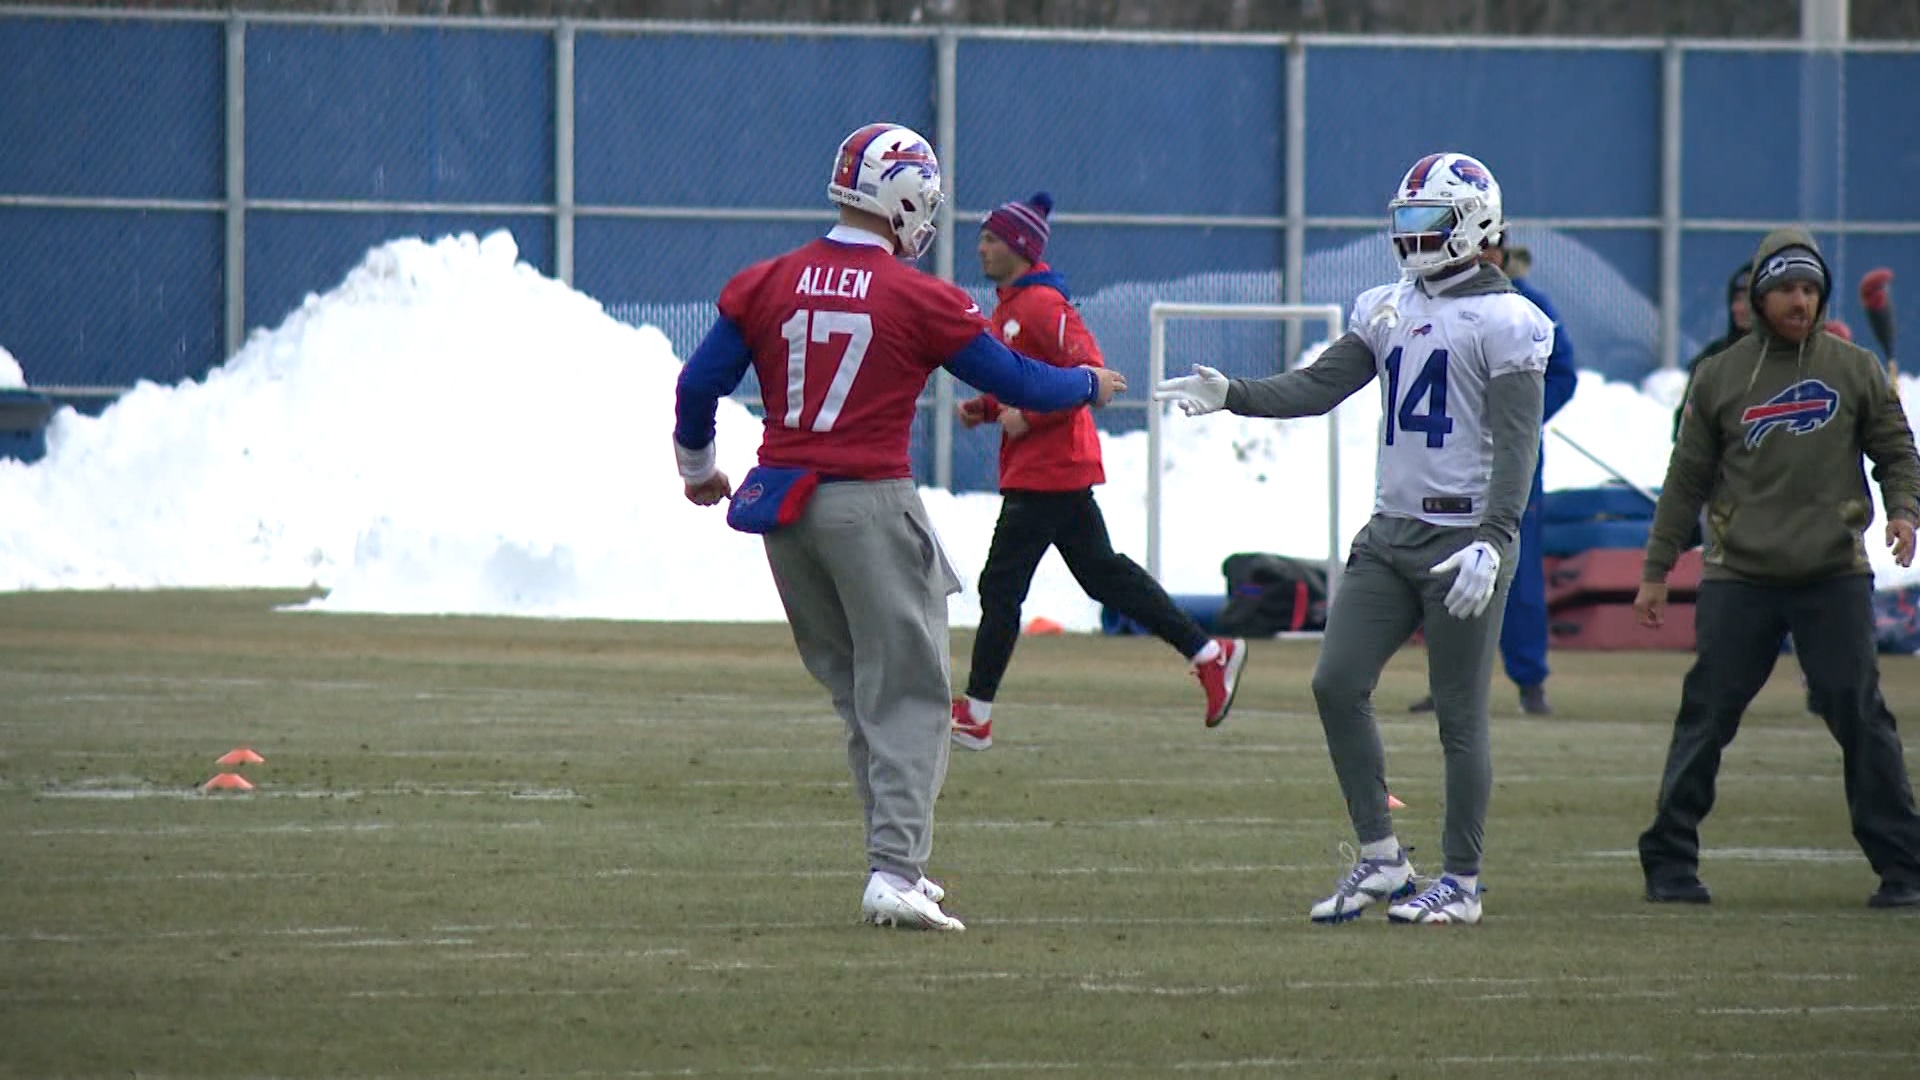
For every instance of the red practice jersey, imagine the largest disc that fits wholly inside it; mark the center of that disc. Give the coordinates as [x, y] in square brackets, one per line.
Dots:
[843, 338]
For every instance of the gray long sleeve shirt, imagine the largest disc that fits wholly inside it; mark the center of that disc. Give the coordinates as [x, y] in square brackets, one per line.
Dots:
[1463, 398]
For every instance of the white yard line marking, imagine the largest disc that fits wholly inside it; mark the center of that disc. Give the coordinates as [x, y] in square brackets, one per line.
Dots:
[1803, 1010]
[1156, 990]
[1266, 1064]
[1279, 919]
[1618, 995]
[1553, 1059]
[389, 943]
[1598, 861]
[143, 791]
[496, 992]
[1752, 854]
[1376, 1062]
[298, 828]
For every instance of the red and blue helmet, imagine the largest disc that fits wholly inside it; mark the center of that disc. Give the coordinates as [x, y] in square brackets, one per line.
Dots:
[1446, 210]
[891, 171]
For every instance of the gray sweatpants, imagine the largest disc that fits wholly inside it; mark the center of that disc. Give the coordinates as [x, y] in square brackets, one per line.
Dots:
[865, 586]
[1386, 593]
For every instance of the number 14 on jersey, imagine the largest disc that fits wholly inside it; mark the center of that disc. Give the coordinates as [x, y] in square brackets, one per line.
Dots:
[1424, 408]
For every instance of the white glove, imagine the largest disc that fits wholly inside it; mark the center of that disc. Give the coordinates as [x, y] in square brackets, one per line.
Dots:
[1197, 394]
[1476, 571]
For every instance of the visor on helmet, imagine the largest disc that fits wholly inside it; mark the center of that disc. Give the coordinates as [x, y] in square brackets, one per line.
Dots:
[1416, 220]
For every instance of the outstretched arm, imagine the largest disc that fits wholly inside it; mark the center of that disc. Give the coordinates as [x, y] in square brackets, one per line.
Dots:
[1345, 367]
[1026, 383]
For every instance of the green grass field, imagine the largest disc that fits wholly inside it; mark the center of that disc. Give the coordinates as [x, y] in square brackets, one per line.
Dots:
[501, 848]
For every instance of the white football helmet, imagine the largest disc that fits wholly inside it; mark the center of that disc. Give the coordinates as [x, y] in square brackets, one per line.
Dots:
[1447, 209]
[890, 170]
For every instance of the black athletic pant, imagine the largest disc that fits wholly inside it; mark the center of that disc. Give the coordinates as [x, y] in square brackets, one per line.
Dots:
[1738, 628]
[1032, 521]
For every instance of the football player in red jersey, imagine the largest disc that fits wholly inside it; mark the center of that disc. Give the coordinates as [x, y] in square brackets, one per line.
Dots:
[843, 334]
[1049, 463]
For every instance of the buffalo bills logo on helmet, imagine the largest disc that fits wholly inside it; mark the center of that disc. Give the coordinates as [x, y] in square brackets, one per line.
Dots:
[1803, 407]
[901, 157]
[918, 151]
[748, 495]
[1469, 171]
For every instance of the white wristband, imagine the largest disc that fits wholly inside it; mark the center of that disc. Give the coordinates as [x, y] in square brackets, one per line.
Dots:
[696, 466]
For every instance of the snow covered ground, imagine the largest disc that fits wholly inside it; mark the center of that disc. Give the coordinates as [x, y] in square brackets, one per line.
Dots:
[450, 431]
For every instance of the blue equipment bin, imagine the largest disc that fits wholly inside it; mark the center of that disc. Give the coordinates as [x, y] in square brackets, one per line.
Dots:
[1204, 609]
[23, 424]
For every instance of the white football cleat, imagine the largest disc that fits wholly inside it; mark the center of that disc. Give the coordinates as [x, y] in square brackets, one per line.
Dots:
[930, 890]
[1370, 880]
[907, 909]
[1444, 903]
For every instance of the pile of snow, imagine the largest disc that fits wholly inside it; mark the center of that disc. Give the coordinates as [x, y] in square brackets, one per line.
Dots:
[11, 377]
[450, 431]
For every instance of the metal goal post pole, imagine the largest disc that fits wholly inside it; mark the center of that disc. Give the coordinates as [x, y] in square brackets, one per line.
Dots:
[1158, 315]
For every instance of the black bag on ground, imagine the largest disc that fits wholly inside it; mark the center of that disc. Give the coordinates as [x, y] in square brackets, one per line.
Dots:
[1272, 594]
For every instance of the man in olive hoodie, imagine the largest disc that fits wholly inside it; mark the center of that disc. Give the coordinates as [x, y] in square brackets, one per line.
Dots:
[1771, 443]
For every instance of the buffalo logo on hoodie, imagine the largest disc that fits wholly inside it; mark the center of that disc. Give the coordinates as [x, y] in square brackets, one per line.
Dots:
[1805, 406]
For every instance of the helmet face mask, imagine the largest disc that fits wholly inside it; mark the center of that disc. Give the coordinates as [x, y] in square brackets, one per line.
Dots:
[1445, 211]
[891, 172]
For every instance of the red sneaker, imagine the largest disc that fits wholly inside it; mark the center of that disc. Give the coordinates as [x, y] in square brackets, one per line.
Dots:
[1220, 677]
[968, 733]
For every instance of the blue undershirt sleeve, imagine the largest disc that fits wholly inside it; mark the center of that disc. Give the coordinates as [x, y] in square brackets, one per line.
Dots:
[713, 372]
[1021, 381]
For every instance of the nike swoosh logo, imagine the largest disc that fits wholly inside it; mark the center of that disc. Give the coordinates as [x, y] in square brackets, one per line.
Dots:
[1541, 337]
[972, 309]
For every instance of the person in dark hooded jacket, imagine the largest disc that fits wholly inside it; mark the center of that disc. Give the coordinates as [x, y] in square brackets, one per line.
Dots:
[1739, 322]
[1771, 443]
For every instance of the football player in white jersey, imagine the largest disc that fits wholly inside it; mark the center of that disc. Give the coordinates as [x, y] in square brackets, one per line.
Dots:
[1461, 360]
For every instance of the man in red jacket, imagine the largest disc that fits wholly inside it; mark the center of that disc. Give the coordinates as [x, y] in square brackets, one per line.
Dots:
[1049, 463]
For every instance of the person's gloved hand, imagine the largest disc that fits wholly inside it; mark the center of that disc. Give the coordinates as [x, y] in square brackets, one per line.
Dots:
[1476, 570]
[1197, 394]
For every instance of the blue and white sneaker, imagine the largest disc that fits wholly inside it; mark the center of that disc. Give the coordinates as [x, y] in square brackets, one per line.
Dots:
[1444, 903]
[1369, 881]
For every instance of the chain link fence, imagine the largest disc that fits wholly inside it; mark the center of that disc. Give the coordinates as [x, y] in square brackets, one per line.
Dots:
[178, 179]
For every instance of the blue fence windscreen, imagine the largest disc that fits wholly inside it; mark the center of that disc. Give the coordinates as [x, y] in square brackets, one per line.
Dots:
[1066, 118]
[1882, 117]
[693, 151]
[109, 109]
[1589, 148]
[152, 287]
[409, 114]
[661, 263]
[705, 121]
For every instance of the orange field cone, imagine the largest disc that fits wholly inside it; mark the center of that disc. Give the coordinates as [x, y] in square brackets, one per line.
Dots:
[227, 781]
[1041, 625]
[1394, 803]
[241, 756]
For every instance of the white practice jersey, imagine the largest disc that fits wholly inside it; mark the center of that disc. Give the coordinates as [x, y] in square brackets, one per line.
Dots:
[1434, 357]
